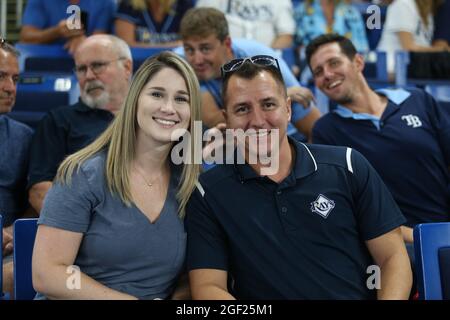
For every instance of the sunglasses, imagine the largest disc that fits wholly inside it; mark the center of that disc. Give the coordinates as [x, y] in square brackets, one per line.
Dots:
[261, 60]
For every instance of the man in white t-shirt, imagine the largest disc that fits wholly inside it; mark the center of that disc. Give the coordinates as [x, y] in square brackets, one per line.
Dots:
[266, 21]
[404, 29]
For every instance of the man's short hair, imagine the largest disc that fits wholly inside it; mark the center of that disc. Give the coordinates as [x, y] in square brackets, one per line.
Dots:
[249, 71]
[344, 43]
[121, 47]
[8, 48]
[202, 22]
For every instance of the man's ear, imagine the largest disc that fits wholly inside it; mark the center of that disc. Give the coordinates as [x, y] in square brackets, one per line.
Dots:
[128, 65]
[289, 108]
[227, 42]
[359, 62]
[225, 114]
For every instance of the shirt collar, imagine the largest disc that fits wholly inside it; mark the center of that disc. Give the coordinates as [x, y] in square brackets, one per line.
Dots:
[80, 106]
[304, 163]
[396, 96]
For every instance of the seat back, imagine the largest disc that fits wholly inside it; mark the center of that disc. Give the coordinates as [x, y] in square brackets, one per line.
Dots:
[24, 235]
[430, 240]
[44, 57]
[444, 265]
[38, 93]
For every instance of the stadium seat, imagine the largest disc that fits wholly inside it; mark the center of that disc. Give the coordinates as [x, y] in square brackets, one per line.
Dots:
[41, 57]
[24, 235]
[39, 92]
[375, 70]
[432, 251]
[403, 69]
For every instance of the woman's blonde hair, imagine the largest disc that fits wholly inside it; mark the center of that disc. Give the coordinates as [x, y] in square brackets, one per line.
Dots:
[119, 139]
[141, 5]
[427, 8]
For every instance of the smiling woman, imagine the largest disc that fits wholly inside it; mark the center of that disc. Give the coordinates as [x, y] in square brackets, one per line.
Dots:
[117, 207]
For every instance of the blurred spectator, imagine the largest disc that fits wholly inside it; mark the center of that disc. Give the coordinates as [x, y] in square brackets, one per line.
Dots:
[103, 66]
[266, 21]
[151, 23]
[442, 26]
[409, 26]
[46, 21]
[377, 2]
[15, 141]
[316, 17]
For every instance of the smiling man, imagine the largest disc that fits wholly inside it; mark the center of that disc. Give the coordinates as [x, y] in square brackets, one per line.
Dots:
[103, 66]
[309, 230]
[207, 46]
[405, 134]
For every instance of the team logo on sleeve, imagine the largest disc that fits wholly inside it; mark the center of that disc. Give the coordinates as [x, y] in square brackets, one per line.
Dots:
[322, 205]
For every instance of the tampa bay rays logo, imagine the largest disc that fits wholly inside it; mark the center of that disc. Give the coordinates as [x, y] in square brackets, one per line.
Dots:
[322, 205]
[412, 120]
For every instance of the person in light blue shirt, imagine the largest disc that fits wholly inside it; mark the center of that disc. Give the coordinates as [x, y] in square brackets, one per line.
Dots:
[207, 46]
[314, 18]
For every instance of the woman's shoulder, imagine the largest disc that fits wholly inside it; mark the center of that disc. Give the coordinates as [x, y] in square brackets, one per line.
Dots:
[94, 163]
[92, 170]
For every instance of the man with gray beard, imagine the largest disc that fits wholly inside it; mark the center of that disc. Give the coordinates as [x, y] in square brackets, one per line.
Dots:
[103, 66]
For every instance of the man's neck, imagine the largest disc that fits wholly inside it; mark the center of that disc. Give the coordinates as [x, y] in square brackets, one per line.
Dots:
[113, 106]
[282, 168]
[367, 101]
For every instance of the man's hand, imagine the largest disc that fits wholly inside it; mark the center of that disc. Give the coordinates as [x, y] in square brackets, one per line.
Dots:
[301, 95]
[65, 32]
[7, 241]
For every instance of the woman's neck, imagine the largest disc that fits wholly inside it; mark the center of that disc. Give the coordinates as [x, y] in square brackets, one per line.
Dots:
[151, 156]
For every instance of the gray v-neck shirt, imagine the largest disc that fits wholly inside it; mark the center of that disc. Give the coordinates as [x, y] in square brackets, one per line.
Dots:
[121, 248]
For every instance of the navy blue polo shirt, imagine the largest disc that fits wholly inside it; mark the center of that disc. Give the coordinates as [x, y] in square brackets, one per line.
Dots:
[409, 146]
[303, 238]
[61, 132]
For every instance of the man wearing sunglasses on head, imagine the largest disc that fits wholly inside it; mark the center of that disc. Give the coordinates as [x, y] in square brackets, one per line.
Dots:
[320, 225]
[103, 66]
[207, 45]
